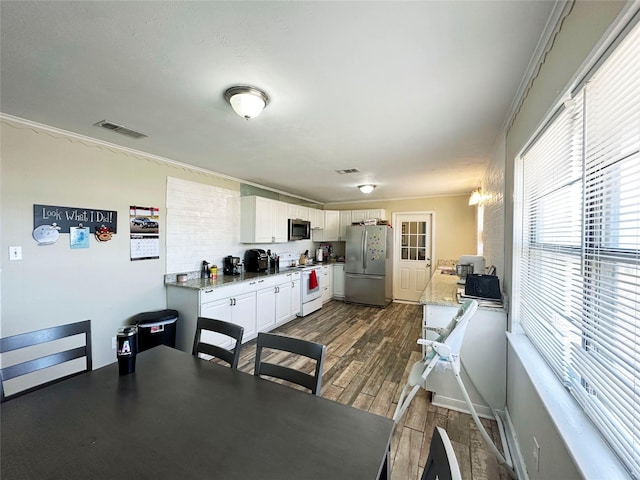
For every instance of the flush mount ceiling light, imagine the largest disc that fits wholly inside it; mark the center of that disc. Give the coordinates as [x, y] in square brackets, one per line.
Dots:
[476, 197]
[247, 101]
[368, 188]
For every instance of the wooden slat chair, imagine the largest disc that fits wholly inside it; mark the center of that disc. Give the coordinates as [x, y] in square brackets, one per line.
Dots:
[228, 329]
[61, 355]
[441, 462]
[313, 350]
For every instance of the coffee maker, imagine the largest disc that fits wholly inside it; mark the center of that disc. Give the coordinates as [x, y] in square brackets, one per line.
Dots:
[231, 265]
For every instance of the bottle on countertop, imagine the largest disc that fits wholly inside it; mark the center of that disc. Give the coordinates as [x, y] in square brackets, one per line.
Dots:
[204, 273]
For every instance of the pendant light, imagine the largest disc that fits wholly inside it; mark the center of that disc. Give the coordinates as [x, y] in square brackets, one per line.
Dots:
[246, 101]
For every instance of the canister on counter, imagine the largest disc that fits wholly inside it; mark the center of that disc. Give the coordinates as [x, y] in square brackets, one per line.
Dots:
[213, 272]
[127, 349]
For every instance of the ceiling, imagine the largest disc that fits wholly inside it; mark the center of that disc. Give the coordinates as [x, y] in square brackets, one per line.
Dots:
[411, 94]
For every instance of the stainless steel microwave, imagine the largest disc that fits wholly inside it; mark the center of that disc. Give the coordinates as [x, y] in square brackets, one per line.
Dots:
[299, 229]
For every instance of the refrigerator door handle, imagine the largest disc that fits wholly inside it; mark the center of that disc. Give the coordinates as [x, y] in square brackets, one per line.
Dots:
[365, 240]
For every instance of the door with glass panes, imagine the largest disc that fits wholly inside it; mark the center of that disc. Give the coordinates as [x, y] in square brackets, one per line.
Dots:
[412, 262]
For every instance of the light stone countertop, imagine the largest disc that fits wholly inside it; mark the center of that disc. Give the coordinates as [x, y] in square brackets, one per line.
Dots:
[440, 290]
[194, 281]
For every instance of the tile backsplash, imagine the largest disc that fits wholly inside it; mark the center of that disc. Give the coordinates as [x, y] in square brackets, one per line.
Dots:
[203, 223]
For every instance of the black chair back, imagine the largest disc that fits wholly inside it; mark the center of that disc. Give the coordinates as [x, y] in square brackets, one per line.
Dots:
[441, 462]
[232, 330]
[315, 351]
[61, 355]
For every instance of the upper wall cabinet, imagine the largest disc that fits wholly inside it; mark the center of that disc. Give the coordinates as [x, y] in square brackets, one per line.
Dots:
[316, 217]
[345, 221]
[263, 220]
[362, 215]
[297, 211]
[329, 232]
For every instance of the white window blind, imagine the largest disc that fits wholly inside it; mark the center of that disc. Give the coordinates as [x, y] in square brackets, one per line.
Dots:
[579, 271]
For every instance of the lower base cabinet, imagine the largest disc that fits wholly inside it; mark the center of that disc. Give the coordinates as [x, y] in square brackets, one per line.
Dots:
[326, 283]
[257, 305]
[338, 281]
[239, 309]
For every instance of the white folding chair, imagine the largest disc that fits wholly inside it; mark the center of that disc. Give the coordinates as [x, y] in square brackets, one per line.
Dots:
[439, 349]
[445, 349]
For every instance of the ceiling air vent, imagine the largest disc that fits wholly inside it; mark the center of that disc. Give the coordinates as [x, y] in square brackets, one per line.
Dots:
[120, 129]
[347, 170]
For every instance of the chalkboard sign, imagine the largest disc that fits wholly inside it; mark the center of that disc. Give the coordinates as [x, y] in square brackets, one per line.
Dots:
[65, 217]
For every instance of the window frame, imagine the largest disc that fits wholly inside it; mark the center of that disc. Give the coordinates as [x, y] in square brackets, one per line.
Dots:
[588, 271]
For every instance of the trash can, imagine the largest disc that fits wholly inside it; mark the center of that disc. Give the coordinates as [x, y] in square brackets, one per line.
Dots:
[156, 328]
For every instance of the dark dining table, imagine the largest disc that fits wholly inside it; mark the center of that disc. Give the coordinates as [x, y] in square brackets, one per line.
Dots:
[180, 417]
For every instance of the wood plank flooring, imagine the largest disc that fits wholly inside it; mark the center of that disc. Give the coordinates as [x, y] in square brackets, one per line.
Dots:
[369, 354]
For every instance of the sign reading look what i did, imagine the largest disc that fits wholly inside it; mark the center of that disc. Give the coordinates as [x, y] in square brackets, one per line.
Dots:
[67, 217]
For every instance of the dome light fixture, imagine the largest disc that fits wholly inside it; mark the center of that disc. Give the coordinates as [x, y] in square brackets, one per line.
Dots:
[368, 188]
[247, 101]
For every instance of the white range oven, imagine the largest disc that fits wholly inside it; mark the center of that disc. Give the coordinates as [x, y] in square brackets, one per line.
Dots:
[310, 298]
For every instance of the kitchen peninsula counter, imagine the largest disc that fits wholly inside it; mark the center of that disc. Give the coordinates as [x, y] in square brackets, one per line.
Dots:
[440, 290]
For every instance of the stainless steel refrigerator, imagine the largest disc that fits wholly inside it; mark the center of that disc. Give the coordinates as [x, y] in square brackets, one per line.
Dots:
[368, 265]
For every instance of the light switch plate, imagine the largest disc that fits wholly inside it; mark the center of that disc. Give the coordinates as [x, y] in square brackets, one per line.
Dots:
[15, 253]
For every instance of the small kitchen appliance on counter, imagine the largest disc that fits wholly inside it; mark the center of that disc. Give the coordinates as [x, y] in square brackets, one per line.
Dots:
[256, 260]
[469, 264]
[231, 265]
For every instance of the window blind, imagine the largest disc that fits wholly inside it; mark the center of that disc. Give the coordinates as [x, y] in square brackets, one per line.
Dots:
[579, 271]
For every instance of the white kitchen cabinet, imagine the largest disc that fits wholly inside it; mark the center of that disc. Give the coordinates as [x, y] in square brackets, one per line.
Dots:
[274, 304]
[263, 220]
[362, 215]
[297, 211]
[332, 224]
[338, 280]
[331, 228]
[316, 217]
[283, 303]
[345, 221]
[239, 309]
[326, 283]
[266, 305]
[358, 215]
[234, 303]
[296, 293]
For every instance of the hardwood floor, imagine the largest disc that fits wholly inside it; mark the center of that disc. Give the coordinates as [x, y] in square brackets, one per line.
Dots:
[369, 354]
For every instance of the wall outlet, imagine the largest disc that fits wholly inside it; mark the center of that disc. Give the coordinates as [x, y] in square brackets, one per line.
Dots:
[15, 253]
[536, 455]
[113, 343]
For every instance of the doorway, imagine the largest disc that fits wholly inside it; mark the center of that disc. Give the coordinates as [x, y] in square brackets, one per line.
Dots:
[412, 255]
